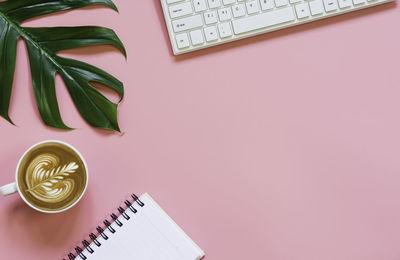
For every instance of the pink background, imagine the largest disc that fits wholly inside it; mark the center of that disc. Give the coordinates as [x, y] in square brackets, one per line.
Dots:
[282, 146]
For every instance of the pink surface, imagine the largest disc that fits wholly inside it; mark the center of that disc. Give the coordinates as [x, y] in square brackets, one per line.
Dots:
[283, 146]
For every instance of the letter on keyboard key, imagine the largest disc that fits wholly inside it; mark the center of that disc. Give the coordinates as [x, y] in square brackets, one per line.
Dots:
[180, 10]
[214, 3]
[317, 7]
[211, 17]
[224, 30]
[252, 7]
[182, 40]
[238, 10]
[267, 4]
[302, 10]
[330, 5]
[224, 14]
[263, 20]
[200, 5]
[187, 23]
[211, 33]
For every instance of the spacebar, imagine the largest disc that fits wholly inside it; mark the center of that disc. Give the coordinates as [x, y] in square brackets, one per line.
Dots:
[263, 20]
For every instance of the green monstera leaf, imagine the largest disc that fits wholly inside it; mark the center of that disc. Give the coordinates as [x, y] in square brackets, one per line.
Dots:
[43, 45]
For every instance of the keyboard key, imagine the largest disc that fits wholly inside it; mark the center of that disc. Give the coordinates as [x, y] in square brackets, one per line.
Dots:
[263, 20]
[224, 30]
[180, 10]
[210, 17]
[173, 1]
[196, 37]
[214, 3]
[224, 14]
[211, 33]
[317, 7]
[358, 2]
[302, 10]
[229, 2]
[200, 5]
[238, 10]
[330, 5]
[266, 4]
[187, 23]
[279, 3]
[252, 7]
[182, 41]
[344, 3]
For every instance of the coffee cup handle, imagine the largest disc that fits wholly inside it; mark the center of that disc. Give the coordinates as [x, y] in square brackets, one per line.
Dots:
[9, 189]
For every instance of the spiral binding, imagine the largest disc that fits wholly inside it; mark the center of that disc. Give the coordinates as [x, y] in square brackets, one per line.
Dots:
[107, 224]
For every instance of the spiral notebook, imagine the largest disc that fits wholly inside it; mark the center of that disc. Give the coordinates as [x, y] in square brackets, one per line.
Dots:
[142, 231]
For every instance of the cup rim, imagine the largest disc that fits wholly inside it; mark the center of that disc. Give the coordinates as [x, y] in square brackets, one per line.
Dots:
[62, 143]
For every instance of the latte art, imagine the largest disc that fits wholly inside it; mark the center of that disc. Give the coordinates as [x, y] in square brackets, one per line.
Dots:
[48, 181]
[52, 176]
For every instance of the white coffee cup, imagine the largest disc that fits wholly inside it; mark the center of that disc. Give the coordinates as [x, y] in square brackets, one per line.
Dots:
[14, 187]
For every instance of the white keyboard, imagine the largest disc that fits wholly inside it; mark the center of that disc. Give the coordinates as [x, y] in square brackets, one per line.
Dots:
[198, 24]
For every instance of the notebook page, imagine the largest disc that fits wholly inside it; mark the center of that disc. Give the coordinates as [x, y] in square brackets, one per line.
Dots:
[166, 226]
[149, 234]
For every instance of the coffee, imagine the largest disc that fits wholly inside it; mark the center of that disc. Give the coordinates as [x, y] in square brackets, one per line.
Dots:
[52, 176]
